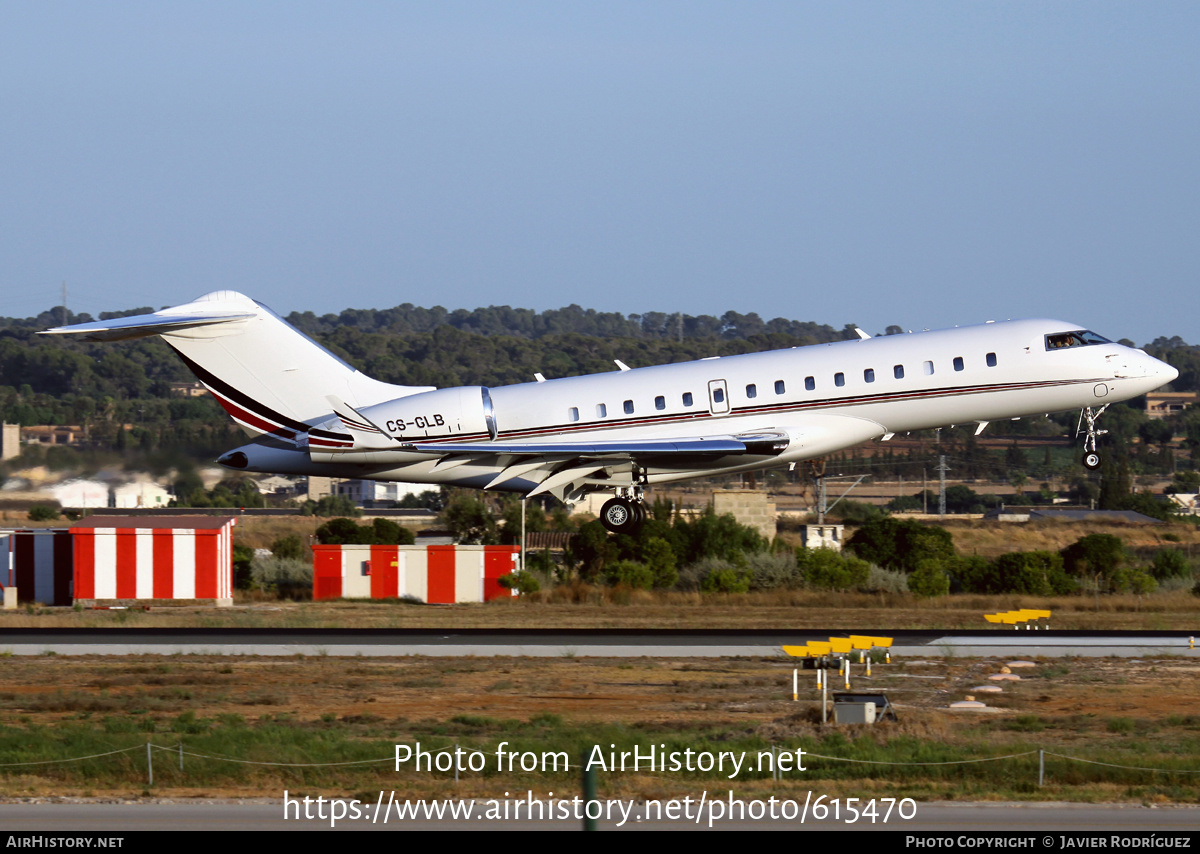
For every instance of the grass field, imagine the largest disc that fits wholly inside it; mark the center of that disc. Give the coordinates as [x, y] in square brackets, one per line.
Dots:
[579, 606]
[322, 712]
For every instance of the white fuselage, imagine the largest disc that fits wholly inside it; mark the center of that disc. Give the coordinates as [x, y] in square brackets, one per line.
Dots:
[825, 398]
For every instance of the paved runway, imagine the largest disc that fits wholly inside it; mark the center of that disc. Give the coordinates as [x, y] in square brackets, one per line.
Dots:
[553, 643]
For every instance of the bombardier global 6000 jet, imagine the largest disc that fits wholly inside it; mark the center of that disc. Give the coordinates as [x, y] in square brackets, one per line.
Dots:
[310, 413]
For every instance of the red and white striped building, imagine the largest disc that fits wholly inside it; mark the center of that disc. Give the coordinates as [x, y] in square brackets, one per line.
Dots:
[441, 575]
[134, 557]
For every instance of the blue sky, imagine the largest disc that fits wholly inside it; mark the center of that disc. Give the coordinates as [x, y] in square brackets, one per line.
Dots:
[919, 164]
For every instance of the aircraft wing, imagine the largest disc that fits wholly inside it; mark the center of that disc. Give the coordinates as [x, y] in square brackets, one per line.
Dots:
[767, 444]
[554, 465]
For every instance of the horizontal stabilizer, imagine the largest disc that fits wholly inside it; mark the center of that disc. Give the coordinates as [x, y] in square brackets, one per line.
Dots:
[143, 325]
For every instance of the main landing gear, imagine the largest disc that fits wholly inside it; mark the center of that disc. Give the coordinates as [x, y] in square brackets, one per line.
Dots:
[1091, 456]
[622, 515]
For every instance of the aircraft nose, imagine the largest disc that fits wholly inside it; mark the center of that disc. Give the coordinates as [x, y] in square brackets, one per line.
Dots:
[1157, 371]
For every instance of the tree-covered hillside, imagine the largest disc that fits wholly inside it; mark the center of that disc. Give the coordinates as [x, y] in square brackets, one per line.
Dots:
[120, 393]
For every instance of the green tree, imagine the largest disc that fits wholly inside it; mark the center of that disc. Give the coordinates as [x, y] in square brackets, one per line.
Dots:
[710, 535]
[929, 579]
[590, 550]
[388, 533]
[899, 544]
[1116, 483]
[1169, 563]
[659, 558]
[343, 531]
[510, 529]
[290, 547]
[829, 569]
[1014, 458]
[630, 574]
[523, 582]
[1037, 573]
[336, 505]
[243, 558]
[469, 519]
[1102, 557]
[726, 580]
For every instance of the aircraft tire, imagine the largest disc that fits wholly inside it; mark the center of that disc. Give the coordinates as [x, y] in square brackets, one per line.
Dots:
[621, 516]
[1091, 461]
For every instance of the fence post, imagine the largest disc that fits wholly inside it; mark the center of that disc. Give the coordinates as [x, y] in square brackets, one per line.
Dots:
[149, 765]
[589, 792]
[1041, 767]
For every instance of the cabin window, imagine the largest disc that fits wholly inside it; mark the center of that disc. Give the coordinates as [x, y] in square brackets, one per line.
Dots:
[780, 388]
[958, 363]
[660, 402]
[629, 407]
[839, 379]
[752, 390]
[687, 398]
[869, 375]
[991, 360]
[718, 395]
[928, 368]
[601, 410]
[809, 383]
[898, 372]
[573, 412]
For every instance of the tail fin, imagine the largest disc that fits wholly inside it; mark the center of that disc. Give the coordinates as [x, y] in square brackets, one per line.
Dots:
[267, 375]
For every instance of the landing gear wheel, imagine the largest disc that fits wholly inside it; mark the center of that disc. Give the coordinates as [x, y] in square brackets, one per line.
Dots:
[622, 516]
[1087, 429]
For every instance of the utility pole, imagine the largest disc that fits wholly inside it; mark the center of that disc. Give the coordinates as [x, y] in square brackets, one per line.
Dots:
[817, 469]
[941, 470]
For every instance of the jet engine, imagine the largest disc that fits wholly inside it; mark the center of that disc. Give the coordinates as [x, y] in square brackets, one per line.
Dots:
[462, 413]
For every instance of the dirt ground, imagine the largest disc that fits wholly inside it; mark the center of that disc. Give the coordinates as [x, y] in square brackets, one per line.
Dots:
[586, 689]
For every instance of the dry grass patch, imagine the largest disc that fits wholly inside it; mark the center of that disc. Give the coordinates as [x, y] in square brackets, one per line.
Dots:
[328, 709]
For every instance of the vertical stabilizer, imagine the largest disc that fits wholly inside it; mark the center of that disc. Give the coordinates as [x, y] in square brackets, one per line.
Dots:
[266, 374]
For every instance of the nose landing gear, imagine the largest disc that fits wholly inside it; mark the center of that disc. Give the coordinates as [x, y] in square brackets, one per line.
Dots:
[1091, 456]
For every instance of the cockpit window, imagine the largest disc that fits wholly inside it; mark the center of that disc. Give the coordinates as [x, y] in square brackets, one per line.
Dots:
[1079, 338]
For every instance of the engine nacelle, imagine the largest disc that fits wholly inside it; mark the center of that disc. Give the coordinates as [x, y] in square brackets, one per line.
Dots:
[459, 412]
[462, 413]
